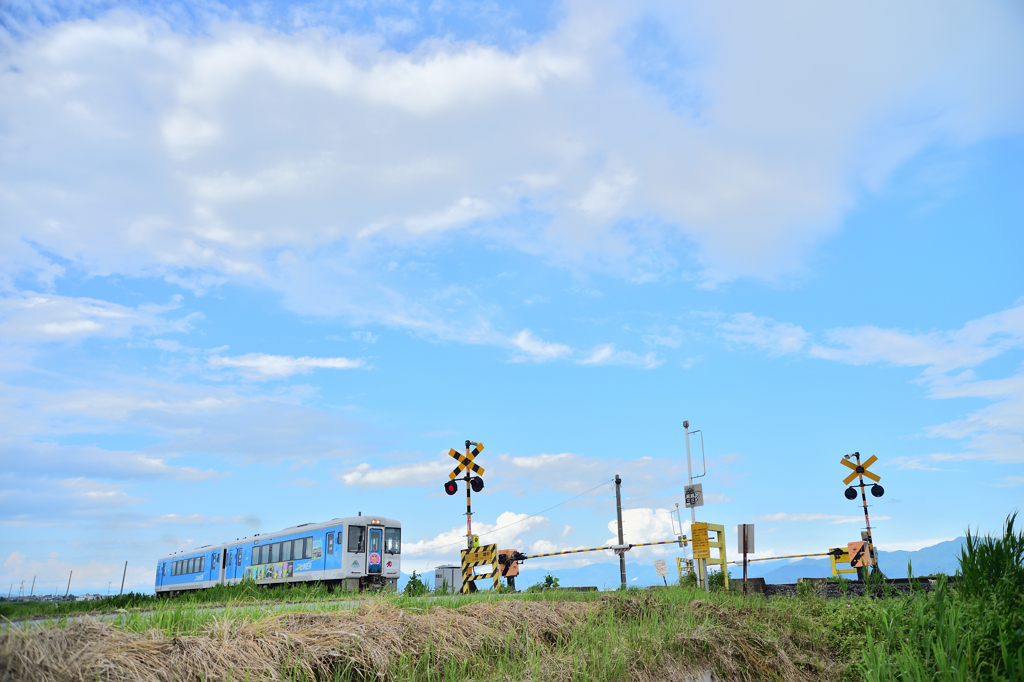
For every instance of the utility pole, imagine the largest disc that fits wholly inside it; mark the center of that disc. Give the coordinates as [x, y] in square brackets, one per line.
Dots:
[68, 591]
[122, 577]
[701, 576]
[618, 513]
[33, 590]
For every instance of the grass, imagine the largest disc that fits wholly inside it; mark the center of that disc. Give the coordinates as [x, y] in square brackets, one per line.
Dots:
[972, 632]
[246, 592]
[633, 634]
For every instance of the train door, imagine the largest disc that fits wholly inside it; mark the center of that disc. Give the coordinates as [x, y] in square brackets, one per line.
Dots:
[374, 550]
[223, 566]
[332, 552]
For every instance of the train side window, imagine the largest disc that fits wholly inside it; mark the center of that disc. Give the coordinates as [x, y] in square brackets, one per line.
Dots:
[330, 543]
[286, 551]
[307, 548]
[202, 564]
[174, 568]
[297, 549]
[393, 541]
[188, 566]
[278, 551]
[258, 553]
[357, 538]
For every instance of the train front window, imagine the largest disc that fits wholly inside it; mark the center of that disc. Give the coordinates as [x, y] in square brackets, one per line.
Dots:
[357, 539]
[375, 542]
[393, 541]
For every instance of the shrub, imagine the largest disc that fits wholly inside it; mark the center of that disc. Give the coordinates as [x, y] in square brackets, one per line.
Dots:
[415, 587]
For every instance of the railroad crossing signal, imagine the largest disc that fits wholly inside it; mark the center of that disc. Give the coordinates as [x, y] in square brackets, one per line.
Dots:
[862, 471]
[473, 483]
[467, 461]
[857, 470]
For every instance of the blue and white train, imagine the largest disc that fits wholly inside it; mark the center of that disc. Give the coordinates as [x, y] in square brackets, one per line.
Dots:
[352, 553]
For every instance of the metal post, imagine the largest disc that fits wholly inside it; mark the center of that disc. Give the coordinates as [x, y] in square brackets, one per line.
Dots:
[701, 564]
[867, 521]
[618, 512]
[122, 577]
[69, 584]
[469, 508]
[33, 590]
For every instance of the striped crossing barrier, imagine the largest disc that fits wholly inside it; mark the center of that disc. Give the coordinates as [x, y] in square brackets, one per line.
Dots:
[484, 555]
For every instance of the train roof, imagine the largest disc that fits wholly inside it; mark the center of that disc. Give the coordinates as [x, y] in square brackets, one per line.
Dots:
[348, 520]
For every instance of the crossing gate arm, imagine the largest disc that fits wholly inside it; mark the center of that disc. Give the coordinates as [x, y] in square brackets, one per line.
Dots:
[617, 548]
[788, 556]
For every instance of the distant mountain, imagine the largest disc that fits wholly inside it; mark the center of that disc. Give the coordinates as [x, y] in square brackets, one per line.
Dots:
[929, 560]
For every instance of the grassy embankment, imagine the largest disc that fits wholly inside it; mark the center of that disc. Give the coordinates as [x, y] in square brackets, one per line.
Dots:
[245, 593]
[975, 632]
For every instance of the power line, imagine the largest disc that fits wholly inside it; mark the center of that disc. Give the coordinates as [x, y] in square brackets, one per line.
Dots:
[495, 530]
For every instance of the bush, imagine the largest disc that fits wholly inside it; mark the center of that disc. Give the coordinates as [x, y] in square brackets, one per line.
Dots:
[415, 587]
[549, 581]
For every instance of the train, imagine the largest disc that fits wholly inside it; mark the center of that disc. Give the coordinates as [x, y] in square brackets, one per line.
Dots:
[353, 553]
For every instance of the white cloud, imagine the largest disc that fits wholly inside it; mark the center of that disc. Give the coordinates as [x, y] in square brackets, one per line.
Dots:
[281, 366]
[396, 147]
[764, 333]
[32, 317]
[977, 341]
[543, 462]
[995, 432]
[509, 531]
[400, 475]
[532, 348]
[606, 354]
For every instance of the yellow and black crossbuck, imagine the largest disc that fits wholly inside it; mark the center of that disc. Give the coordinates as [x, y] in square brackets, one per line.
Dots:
[484, 555]
[466, 461]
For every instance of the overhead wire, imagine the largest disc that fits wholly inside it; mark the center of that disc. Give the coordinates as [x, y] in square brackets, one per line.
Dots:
[495, 530]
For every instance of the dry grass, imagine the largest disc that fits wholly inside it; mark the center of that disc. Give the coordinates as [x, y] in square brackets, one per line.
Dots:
[612, 637]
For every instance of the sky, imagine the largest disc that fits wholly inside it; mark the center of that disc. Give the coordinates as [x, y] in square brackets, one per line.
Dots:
[265, 263]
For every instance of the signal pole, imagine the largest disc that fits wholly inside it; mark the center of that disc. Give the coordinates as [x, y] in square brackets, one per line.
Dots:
[618, 513]
[469, 508]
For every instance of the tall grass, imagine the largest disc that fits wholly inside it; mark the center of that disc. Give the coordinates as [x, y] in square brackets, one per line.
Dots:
[974, 631]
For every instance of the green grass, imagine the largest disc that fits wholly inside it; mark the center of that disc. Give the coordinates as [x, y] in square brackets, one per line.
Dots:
[972, 632]
[243, 593]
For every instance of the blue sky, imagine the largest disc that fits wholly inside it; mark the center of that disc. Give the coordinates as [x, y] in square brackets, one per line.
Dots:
[263, 264]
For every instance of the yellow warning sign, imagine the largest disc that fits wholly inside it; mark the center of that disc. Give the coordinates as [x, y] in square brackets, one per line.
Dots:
[701, 544]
